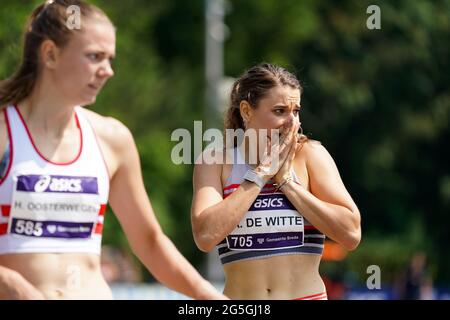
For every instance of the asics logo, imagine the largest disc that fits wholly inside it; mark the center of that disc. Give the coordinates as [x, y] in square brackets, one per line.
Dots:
[57, 184]
[266, 203]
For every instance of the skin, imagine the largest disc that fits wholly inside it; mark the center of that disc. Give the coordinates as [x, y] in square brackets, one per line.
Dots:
[71, 76]
[321, 198]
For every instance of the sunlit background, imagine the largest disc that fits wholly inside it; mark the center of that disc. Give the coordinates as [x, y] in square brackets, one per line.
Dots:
[377, 99]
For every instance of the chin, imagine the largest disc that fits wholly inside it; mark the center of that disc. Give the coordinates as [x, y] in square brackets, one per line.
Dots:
[88, 101]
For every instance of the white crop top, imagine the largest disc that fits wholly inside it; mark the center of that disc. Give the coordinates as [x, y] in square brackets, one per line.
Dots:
[47, 206]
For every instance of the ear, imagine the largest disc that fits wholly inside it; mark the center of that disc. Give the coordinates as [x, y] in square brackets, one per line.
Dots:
[246, 111]
[49, 54]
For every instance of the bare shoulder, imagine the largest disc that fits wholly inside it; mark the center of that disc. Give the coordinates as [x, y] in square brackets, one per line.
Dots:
[316, 158]
[311, 150]
[210, 159]
[109, 130]
[115, 140]
[320, 164]
[209, 167]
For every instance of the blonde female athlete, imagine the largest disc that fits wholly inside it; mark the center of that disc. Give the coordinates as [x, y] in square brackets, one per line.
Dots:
[269, 226]
[61, 163]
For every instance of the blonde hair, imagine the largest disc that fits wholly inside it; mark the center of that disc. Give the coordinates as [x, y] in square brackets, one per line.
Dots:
[47, 21]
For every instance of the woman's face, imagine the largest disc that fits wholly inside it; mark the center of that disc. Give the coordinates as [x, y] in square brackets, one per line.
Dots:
[279, 107]
[84, 64]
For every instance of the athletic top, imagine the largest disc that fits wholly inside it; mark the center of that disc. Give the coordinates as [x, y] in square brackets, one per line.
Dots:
[52, 207]
[271, 227]
[4, 161]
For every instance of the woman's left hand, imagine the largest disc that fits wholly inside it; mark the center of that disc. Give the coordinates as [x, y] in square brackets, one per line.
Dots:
[286, 169]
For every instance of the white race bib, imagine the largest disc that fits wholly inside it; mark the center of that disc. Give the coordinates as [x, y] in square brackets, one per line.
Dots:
[54, 206]
[271, 223]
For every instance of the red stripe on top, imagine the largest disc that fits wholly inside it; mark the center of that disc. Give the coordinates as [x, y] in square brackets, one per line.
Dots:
[310, 228]
[3, 228]
[102, 210]
[40, 154]
[99, 228]
[313, 296]
[231, 186]
[11, 149]
[6, 209]
[263, 193]
[236, 185]
[227, 195]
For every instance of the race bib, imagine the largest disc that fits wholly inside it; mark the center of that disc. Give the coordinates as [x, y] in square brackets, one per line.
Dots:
[271, 223]
[54, 206]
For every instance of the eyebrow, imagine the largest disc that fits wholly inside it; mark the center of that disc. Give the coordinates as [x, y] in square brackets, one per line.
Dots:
[105, 54]
[100, 49]
[112, 55]
[285, 106]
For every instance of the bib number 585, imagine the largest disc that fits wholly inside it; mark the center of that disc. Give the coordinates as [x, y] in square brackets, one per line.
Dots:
[29, 228]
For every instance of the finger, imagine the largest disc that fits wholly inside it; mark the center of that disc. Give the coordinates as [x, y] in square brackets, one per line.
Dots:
[293, 149]
[290, 150]
[287, 157]
[295, 127]
[284, 147]
[285, 151]
[266, 150]
[286, 128]
[291, 136]
[289, 128]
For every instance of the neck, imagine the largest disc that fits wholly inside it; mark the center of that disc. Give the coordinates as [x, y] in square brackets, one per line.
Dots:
[46, 109]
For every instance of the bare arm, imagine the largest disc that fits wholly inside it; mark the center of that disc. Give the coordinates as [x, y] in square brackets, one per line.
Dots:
[13, 286]
[131, 205]
[213, 217]
[329, 206]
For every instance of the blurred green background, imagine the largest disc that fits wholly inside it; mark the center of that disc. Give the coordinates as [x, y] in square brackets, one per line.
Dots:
[378, 100]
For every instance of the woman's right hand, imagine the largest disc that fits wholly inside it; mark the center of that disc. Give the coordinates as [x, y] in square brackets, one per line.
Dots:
[276, 152]
[16, 287]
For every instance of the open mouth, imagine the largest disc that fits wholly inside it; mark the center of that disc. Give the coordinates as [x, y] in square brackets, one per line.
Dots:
[94, 87]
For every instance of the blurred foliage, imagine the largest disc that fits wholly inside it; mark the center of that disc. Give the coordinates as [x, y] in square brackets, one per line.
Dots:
[379, 101]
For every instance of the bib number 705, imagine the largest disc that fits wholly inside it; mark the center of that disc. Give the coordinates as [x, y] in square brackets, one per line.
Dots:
[241, 241]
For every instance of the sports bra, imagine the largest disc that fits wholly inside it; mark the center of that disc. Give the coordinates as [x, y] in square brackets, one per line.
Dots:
[47, 206]
[271, 227]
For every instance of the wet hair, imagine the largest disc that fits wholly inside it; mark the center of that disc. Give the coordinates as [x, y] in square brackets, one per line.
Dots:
[47, 22]
[252, 86]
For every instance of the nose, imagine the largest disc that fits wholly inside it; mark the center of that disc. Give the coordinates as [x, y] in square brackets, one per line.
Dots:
[292, 118]
[106, 71]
